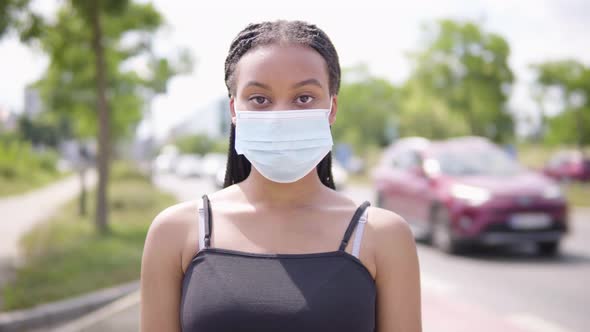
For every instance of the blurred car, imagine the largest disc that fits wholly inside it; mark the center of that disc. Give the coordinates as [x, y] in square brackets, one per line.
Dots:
[469, 191]
[164, 163]
[212, 163]
[338, 172]
[568, 165]
[340, 175]
[188, 165]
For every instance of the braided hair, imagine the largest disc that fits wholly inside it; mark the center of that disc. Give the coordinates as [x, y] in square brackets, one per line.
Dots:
[265, 33]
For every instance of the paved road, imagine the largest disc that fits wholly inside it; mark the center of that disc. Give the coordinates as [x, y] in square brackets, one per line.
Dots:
[539, 294]
[506, 290]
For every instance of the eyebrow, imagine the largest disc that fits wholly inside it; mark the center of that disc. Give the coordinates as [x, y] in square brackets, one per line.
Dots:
[311, 81]
[258, 84]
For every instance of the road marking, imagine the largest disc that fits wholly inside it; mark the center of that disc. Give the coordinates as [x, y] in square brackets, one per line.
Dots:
[436, 285]
[533, 323]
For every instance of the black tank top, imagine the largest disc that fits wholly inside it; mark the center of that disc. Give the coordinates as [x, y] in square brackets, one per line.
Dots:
[227, 290]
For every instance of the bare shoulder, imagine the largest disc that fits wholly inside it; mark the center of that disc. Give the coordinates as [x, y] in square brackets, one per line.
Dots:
[172, 229]
[394, 241]
[398, 273]
[390, 224]
[162, 266]
[175, 219]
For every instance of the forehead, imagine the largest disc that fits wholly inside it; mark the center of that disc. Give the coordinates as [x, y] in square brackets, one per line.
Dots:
[281, 65]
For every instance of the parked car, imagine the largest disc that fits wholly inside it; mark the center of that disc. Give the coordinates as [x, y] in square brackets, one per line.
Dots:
[165, 161]
[188, 165]
[212, 163]
[468, 190]
[568, 165]
[340, 175]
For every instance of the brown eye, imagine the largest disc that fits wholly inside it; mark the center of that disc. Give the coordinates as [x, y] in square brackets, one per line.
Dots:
[305, 99]
[259, 100]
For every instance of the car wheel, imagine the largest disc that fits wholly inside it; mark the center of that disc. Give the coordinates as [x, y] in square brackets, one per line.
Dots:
[548, 248]
[441, 233]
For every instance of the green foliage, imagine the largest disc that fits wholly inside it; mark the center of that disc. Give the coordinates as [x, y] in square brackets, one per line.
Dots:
[22, 168]
[68, 86]
[47, 129]
[572, 80]
[367, 108]
[460, 84]
[200, 144]
[16, 16]
[19, 160]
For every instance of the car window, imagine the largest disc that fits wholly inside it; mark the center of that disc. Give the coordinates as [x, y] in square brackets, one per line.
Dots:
[406, 159]
[477, 161]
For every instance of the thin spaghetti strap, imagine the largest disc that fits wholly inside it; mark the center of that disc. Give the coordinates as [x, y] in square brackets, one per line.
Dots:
[207, 220]
[358, 235]
[353, 222]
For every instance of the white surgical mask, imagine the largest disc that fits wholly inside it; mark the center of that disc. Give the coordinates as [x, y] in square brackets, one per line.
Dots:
[284, 145]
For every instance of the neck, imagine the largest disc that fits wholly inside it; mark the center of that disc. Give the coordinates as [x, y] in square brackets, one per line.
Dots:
[303, 192]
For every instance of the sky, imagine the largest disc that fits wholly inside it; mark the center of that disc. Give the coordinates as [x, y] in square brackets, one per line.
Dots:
[374, 32]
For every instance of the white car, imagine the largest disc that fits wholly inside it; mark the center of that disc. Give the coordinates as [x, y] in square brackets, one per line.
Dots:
[340, 175]
[164, 163]
[212, 163]
[187, 165]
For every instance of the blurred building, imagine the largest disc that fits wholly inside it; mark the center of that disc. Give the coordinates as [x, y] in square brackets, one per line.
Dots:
[33, 104]
[212, 120]
[8, 120]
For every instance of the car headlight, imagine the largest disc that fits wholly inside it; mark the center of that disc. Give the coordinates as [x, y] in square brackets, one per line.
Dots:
[552, 192]
[472, 195]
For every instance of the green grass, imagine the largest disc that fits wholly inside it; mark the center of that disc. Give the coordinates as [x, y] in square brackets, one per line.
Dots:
[578, 194]
[65, 256]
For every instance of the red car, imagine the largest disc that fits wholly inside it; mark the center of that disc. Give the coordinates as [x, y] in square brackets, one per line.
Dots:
[467, 190]
[568, 165]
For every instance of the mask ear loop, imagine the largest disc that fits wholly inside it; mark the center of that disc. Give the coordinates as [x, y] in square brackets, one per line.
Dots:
[330, 109]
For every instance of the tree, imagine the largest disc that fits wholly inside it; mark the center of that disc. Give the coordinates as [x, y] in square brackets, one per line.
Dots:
[200, 144]
[461, 74]
[90, 45]
[366, 109]
[571, 80]
[16, 16]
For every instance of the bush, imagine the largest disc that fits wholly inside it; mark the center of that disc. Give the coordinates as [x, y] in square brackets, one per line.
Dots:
[18, 159]
[23, 168]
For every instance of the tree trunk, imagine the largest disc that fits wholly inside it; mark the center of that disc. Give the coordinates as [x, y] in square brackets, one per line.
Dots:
[103, 122]
[580, 129]
[82, 203]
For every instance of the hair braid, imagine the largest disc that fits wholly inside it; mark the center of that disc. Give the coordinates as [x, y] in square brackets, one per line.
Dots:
[265, 33]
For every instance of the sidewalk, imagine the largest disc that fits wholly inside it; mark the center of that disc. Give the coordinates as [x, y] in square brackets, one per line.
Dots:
[18, 214]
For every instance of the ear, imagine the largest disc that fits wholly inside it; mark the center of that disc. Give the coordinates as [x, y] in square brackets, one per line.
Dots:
[232, 110]
[334, 110]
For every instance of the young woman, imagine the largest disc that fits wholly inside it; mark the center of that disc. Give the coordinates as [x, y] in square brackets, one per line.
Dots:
[278, 249]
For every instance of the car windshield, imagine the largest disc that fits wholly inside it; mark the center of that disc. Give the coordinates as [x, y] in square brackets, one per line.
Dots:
[477, 161]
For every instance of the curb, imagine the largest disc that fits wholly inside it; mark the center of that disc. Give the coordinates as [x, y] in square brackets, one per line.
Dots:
[101, 314]
[50, 314]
